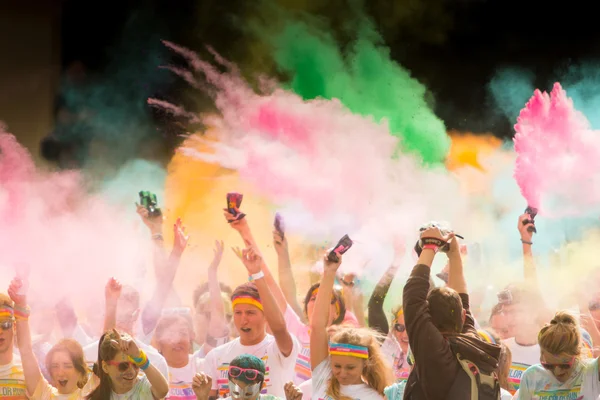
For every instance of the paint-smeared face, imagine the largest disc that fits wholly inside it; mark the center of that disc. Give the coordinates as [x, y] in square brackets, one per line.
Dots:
[122, 372]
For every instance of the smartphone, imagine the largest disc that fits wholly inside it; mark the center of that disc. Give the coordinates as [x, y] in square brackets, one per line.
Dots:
[149, 201]
[279, 225]
[234, 201]
[343, 246]
[532, 214]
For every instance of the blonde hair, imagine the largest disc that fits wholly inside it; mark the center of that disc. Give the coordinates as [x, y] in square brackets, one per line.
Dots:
[6, 301]
[376, 372]
[561, 335]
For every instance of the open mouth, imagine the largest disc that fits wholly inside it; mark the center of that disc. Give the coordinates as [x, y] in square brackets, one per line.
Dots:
[63, 382]
[129, 377]
[245, 330]
[404, 340]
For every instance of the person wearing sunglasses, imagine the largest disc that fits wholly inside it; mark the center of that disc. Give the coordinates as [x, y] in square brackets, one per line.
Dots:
[12, 380]
[120, 361]
[246, 376]
[562, 372]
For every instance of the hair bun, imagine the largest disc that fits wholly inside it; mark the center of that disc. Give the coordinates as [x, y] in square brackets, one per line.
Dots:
[562, 317]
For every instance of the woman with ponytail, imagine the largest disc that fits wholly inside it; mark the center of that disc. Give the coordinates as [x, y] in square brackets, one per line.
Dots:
[562, 373]
[349, 365]
[117, 371]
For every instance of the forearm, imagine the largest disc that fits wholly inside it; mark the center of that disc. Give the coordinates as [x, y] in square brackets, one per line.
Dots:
[153, 309]
[273, 314]
[377, 317]
[287, 283]
[31, 369]
[218, 322]
[322, 302]
[274, 288]
[456, 276]
[529, 264]
[160, 386]
[110, 315]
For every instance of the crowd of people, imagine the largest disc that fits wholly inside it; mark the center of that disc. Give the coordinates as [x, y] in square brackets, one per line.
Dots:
[264, 340]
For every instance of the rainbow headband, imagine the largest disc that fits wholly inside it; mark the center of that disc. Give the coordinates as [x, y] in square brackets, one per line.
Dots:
[7, 313]
[486, 337]
[246, 300]
[333, 296]
[344, 349]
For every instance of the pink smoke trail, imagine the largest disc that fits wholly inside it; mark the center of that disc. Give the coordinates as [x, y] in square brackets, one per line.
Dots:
[558, 155]
[327, 165]
[72, 242]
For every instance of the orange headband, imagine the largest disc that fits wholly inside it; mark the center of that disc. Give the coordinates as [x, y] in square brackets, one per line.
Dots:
[246, 300]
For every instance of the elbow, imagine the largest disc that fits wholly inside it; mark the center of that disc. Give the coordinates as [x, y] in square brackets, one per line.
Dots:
[163, 391]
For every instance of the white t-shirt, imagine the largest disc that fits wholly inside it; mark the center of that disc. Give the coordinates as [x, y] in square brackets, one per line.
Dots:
[396, 358]
[540, 384]
[45, 391]
[12, 381]
[142, 390]
[306, 388]
[322, 375]
[522, 358]
[180, 380]
[279, 369]
[297, 328]
[91, 356]
[505, 395]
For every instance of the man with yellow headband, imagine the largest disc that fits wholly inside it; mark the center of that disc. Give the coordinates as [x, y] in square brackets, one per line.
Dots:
[254, 307]
[12, 381]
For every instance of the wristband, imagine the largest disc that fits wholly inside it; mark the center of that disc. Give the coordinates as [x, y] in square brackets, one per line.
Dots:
[21, 313]
[433, 247]
[256, 276]
[141, 361]
[526, 242]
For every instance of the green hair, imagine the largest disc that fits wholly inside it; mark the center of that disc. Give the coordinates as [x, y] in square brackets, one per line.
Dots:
[248, 361]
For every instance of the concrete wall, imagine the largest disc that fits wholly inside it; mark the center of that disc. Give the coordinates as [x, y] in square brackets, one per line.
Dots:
[29, 67]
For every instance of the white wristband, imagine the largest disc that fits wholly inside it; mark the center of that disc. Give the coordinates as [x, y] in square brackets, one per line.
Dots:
[256, 276]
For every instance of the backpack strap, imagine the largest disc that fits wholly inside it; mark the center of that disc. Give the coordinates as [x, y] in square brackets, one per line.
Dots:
[478, 379]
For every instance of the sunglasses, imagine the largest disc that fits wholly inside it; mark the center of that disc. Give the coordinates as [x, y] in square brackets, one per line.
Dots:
[550, 367]
[122, 365]
[250, 374]
[6, 325]
[594, 306]
[399, 328]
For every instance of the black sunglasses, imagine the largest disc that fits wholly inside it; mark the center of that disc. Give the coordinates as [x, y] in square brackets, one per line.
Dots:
[6, 325]
[399, 328]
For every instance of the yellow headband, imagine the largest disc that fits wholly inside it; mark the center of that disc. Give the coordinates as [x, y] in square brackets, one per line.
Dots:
[399, 313]
[247, 300]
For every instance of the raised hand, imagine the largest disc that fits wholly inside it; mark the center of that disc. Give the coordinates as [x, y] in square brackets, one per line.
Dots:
[17, 293]
[112, 290]
[155, 224]
[217, 255]
[201, 385]
[181, 239]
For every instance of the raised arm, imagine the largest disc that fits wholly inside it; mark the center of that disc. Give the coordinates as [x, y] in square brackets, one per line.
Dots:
[217, 325]
[158, 383]
[529, 267]
[166, 269]
[31, 369]
[287, 283]
[457, 281]
[319, 339]
[377, 318]
[428, 345]
[112, 292]
[255, 264]
[243, 228]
